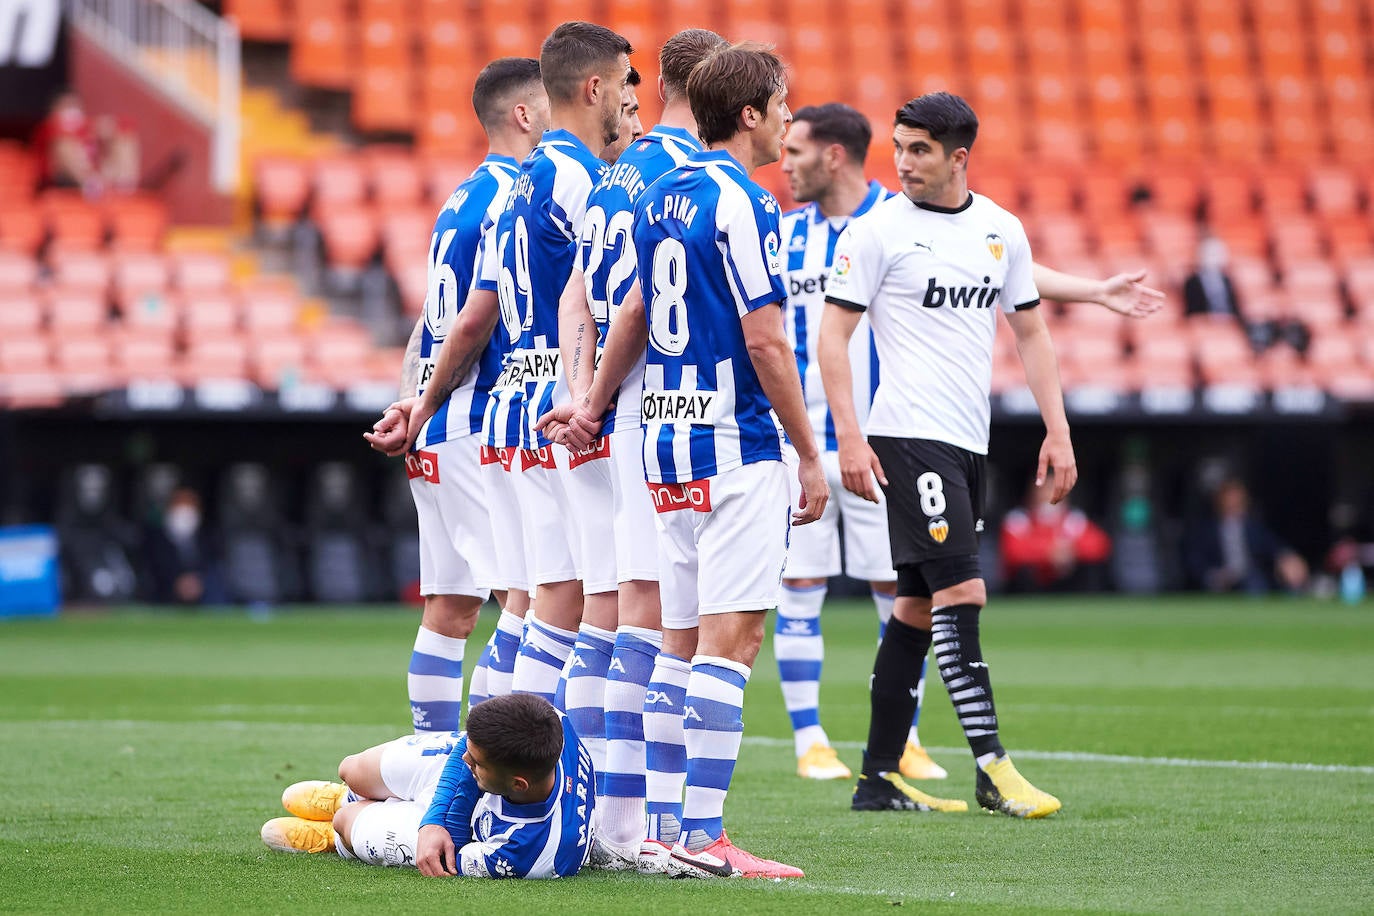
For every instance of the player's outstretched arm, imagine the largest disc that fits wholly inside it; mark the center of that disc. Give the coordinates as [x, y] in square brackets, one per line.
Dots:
[576, 336]
[1057, 463]
[776, 368]
[1125, 293]
[462, 347]
[858, 464]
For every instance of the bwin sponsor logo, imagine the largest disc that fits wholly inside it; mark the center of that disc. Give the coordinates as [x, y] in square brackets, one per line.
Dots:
[960, 297]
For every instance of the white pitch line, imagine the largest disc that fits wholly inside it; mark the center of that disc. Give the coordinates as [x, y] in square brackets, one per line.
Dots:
[1085, 757]
[765, 741]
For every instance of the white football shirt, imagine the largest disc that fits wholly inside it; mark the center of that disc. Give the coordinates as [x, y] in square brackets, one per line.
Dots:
[929, 278]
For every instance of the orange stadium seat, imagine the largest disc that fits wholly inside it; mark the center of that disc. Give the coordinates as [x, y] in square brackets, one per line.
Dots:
[1349, 238]
[275, 359]
[385, 34]
[282, 187]
[350, 235]
[395, 179]
[137, 276]
[209, 314]
[637, 21]
[384, 99]
[198, 271]
[322, 52]
[76, 310]
[23, 353]
[82, 270]
[150, 314]
[85, 363]
[136, 222]
[260, 20]
[218, 357]
[337, 181]
[506, 35]
[22, 228]
[21, 315]
[270, 307]
[144, 356]
[74, 223]
[18, 272]
[1333, 189]
[18, 172]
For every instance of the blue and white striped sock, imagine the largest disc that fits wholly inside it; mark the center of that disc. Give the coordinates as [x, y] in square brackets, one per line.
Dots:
[539, 665]
[713, 727]
[621, 800]
[582, 693]
[800, 652]
[492, 675]
[665, 747]
[435, 681]
[884, 605]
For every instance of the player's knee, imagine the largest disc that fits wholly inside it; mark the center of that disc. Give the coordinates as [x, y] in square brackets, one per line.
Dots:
[343, 823]
[454, 616]
[350, 769]
[970, 591]
[804, 583]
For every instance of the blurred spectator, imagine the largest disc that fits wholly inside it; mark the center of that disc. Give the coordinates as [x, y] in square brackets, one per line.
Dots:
[1052, 547]
[1234, 550]
[93, 154]
[1208, 289]
[180, 555]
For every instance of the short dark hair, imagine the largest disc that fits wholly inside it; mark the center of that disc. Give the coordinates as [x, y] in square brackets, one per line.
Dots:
[684, 51]
[634, 79]
[836, 122]
[574, 51]
[498, 82]
[520, 733]
[947, 118]
[723, 84]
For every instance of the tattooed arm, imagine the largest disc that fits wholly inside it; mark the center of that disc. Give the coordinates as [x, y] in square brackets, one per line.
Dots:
[460, 351]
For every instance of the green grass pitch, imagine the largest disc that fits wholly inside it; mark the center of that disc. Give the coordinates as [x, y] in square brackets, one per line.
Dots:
[1212, 756]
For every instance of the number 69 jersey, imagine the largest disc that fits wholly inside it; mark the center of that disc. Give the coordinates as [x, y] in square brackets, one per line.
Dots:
[496, 838]
[706, 246]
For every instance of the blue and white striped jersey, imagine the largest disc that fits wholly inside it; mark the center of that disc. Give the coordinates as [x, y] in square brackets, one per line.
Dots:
[808, 240]
[452, 264]
[605, 254]
[496, 838]
[548, 205]
[501, 422]
[706, 242]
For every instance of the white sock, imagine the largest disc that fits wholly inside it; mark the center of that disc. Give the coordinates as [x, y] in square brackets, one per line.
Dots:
[435, 681]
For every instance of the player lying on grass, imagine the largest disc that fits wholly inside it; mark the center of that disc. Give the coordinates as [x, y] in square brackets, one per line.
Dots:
[511, 797]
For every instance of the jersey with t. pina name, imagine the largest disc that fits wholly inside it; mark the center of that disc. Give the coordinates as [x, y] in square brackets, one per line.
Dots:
[931, 279]
[706, 247]
[497, 838]
[808, 246]
[548, 205]
[452, 264]
[606, 253]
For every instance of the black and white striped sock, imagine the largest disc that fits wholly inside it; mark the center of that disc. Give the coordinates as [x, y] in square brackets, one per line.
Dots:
[954, 634]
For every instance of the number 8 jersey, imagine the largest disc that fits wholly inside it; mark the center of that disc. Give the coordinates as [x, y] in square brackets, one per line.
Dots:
[706, 246]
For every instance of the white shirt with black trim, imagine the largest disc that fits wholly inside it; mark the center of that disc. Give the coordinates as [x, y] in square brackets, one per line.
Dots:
[929, 278]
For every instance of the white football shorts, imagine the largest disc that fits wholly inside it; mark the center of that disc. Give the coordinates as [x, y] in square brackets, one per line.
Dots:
[815, 548]
[498, 468]
[636, 535]
[591, 500]
[722, 542]
[551, 549]
[456, 556]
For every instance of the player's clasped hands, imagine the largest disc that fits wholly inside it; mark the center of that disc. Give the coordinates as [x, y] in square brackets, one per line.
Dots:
[571, 425]
[389, 434]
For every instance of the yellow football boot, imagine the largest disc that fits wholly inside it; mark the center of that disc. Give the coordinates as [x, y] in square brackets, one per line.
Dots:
[314, 799]
[821, 762]
[296, 834]
[916, 764]
[1002, 788]
[888, 792]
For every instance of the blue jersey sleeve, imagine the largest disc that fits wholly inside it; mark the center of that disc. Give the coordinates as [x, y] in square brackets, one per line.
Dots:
[753, 263]
[454, 797]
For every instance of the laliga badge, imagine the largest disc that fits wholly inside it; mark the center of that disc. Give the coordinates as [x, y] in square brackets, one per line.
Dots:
[938, 528]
